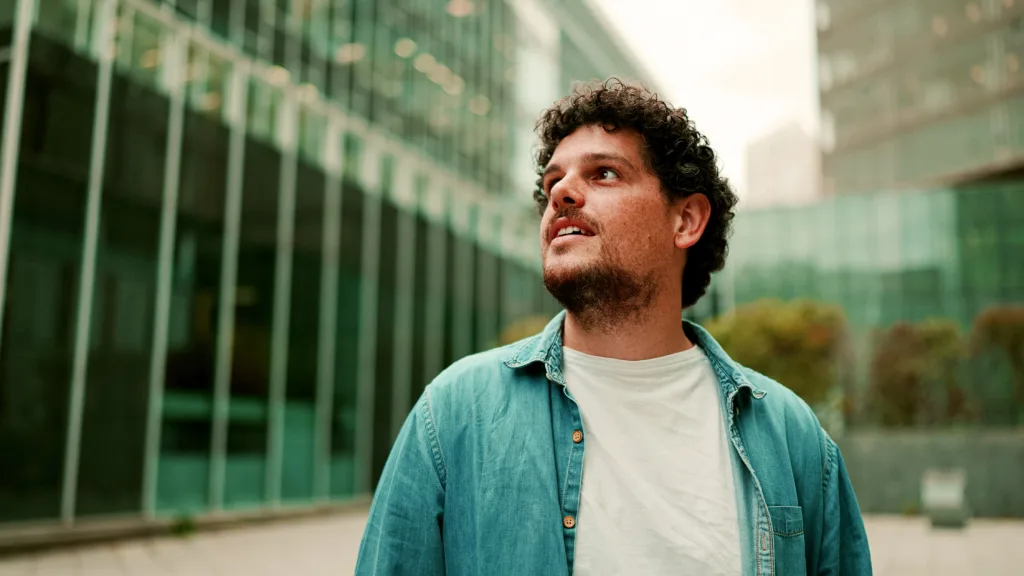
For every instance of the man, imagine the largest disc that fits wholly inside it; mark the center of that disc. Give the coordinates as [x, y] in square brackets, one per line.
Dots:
[620, 440]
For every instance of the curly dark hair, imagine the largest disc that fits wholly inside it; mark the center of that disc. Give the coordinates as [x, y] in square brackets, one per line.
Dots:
[674, 150]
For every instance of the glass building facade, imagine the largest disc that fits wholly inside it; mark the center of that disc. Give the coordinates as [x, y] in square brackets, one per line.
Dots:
[239, 237]
[912, 258]
[920, 93]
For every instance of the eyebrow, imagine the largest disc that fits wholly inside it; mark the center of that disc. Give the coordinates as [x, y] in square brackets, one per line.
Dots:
[591, 158]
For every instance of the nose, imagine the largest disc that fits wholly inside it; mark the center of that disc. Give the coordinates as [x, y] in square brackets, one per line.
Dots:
[567, 192]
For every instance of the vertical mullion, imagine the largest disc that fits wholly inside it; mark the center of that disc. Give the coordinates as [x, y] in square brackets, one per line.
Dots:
[328, 307]
[282, 300]
[228, 280]
[177, 56]
[104, 23]
[15, 102]
[405, 272]
[369, 293]
[287, 132]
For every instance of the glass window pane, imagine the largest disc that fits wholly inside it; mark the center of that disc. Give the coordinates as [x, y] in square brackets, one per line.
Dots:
[420, 304]
[385, 325]
[183, 482]
[347, 355]
[451, 296]
[116, 407]
[254, 306]
[303, 336]
[42, 281]
[54, 18]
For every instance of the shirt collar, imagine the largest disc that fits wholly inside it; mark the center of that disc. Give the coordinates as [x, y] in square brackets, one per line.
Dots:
[546, 348]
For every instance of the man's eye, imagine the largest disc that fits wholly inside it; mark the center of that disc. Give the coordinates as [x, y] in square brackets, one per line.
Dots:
[549, 185]
[607, 174]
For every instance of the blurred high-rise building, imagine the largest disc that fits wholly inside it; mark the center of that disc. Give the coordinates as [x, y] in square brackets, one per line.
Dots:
[238, 237]
[920, 92]
[917, 241]
[783, 167]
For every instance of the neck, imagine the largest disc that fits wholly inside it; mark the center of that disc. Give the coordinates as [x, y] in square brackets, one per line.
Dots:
[650, 333]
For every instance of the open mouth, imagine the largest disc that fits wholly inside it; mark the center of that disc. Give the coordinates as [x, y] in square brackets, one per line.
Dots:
[571, 231]
[565, 228]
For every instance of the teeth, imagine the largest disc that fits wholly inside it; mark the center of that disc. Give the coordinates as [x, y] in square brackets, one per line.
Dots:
[569, 230]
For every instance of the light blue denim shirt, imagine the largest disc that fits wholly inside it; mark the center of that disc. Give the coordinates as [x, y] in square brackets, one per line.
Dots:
[485, 475]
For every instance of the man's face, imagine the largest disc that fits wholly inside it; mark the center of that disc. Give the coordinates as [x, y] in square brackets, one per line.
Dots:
[607, 222]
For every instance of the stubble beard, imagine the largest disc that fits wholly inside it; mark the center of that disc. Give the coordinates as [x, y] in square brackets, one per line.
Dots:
[601, 296]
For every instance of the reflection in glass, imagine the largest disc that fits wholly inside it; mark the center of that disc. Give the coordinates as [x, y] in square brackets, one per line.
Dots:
[117, 382]
[304, 331]
[420, 337]
[142, 52]
[343, 425]
[54, 18]
[192, 334]
[254, 299]
[42, 280]
[486, 300]
[453, 252]
[385, 369]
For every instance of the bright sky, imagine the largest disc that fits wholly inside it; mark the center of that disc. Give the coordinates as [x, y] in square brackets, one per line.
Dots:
[740, 67]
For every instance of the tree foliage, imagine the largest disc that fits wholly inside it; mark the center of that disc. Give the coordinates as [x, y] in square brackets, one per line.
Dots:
[797, 343]
[914, 375]
[1001, 329]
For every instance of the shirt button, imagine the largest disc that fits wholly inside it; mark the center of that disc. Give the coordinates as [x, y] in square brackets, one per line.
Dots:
[568, 521]
[577, 436]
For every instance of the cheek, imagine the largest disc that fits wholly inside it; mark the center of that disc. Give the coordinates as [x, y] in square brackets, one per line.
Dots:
[638, 236]
[542, 233]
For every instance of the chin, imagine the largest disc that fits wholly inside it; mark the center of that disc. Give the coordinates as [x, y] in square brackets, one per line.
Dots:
[564, 267]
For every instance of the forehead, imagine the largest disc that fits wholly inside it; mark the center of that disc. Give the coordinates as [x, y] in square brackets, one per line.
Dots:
[593, 139]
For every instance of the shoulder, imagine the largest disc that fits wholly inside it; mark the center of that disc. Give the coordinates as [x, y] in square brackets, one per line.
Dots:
[788, 419]
[474, 382]
[782, 402]
[476, 371]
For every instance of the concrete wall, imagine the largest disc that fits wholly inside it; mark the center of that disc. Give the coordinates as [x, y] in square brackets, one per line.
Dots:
[886, 468]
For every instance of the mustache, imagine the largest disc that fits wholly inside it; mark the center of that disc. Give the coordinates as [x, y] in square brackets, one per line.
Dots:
[576, 214]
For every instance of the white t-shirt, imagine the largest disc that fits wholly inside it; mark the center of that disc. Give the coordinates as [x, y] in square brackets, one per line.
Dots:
[657, 494]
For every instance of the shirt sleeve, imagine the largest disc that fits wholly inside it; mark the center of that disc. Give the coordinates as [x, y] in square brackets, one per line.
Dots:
[844, 543]
[404, 531]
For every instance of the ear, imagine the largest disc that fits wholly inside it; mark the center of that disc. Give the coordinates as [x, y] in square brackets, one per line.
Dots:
[692, 214]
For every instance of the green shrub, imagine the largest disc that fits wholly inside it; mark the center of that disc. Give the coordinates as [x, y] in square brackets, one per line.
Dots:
[914, 375]
[798, 343]
[1001, 329]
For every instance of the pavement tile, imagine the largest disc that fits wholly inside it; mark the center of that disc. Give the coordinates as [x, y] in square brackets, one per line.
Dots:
[328, 546]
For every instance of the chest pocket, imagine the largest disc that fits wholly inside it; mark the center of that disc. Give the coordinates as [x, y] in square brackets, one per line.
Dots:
[788, 525]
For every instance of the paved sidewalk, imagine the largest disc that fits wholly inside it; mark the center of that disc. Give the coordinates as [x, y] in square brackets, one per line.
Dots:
[315, 546]
[910, 546]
